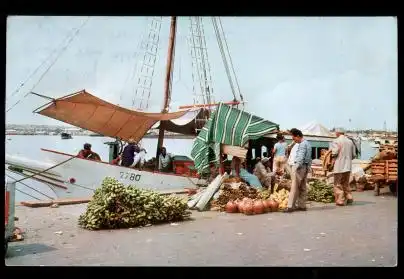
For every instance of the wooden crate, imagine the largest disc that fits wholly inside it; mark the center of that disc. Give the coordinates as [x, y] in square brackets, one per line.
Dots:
[385, 170]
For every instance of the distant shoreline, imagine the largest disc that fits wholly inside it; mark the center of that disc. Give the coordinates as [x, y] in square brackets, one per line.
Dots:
[146, 136]
[170, 136]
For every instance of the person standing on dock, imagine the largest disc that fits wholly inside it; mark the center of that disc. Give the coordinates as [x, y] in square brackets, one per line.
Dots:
[300, 169]
[279, 154]
[344, 151]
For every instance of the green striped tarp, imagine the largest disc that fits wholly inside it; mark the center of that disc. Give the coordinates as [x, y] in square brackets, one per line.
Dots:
[227, 125]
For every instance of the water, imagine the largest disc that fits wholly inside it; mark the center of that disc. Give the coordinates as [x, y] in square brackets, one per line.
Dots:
[29, 146]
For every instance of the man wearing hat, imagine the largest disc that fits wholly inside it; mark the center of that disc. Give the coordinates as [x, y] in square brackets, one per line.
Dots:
[344, 151]
[128, 154]
[266, 178]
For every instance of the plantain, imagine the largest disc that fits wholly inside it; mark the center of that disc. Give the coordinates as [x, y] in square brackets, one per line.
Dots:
[116, 206]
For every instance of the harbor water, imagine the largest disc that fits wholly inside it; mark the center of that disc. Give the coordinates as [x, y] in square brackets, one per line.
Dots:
[30, 147]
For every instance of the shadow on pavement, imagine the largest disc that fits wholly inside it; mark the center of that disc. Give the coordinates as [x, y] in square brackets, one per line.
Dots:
[387, 194]
[359, 203]
[28, 249]
[320, 208]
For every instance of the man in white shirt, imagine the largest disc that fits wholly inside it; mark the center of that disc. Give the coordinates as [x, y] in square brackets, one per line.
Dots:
[165, 160]
[292, 157]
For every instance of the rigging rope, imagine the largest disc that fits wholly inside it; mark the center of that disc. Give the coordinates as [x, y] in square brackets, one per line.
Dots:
[226, 66]
[29, 186]
[31, 176]
[37, 69]
[149, 49]
[52, 64]
[208, 68]
[205, 79]
[132, 74]
[193, 46]
[231, 62]
[27, 194]
[61, 163]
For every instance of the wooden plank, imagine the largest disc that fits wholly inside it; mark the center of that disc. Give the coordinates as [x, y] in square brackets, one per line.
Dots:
[383, 161]
[378, 168]
[71, 201]
[378, 171]
[37, 203]
[377, 176]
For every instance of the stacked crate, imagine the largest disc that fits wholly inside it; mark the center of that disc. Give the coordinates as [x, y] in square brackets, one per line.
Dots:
[385, 170]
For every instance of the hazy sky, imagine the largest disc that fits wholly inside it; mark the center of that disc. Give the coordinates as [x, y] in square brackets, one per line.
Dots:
[291, 70]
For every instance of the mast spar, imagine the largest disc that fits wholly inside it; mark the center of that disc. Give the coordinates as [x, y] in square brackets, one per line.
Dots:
[167, 85]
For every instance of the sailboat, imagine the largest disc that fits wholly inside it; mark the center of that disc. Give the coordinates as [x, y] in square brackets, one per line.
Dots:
[70, 176]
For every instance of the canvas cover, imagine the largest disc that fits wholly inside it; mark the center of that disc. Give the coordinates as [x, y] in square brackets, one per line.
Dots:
[186, 124]
[230, 126]
[88, 112]
[314, 128]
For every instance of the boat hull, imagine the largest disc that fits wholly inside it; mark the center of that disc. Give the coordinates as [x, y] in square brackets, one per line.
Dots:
[82, 177]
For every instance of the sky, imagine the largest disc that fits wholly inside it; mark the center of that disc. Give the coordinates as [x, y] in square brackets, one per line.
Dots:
[337, 71]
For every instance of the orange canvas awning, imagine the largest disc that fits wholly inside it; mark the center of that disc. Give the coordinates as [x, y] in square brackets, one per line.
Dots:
[86, 111]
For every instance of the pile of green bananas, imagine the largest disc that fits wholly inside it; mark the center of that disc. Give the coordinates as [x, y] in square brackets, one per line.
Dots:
[115, 205]
[264, 194]
[320, 191]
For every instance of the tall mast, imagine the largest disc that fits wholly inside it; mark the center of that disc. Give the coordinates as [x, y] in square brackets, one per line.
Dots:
[170, 63]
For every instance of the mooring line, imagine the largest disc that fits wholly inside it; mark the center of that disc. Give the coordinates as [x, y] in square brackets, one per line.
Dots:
[30, 187]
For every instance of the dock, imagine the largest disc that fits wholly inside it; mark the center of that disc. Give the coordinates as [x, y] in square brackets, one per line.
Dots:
[324, 235]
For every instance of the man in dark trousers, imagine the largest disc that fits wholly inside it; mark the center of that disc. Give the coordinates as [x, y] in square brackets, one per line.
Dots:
[128, 154]
[300, 169]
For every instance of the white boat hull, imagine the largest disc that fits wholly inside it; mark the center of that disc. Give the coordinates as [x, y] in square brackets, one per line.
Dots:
[82, 177]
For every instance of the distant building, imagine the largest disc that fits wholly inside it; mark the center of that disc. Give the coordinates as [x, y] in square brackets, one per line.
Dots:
[11, 132]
